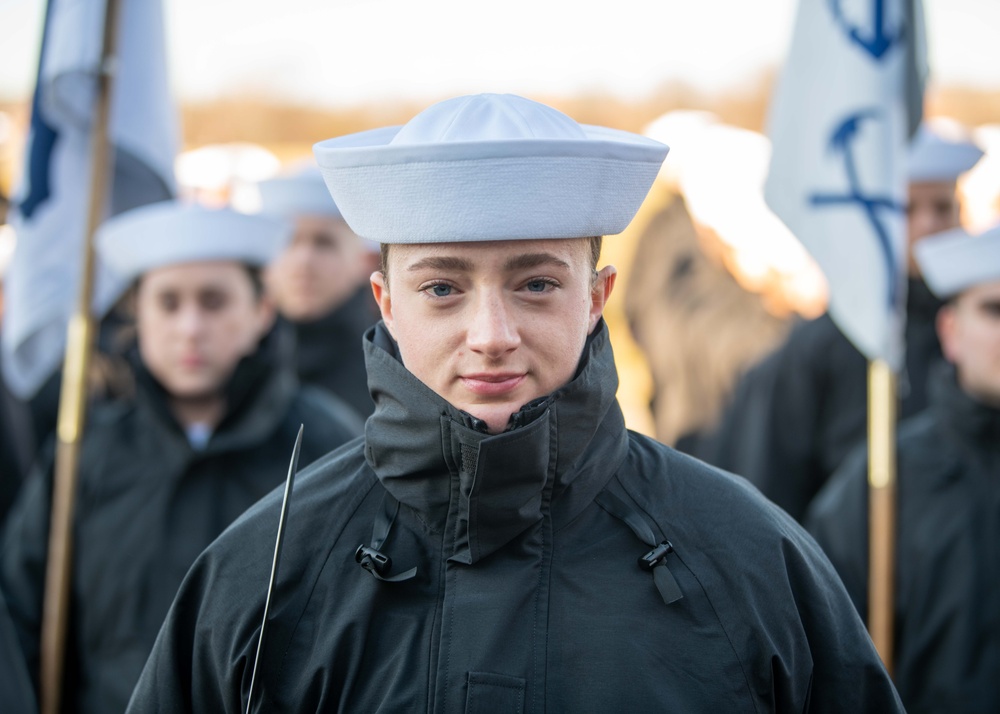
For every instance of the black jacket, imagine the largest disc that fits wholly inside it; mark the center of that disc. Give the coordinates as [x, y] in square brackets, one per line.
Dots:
[147, 505]
[329, 353]
[796, 415]
[948, 550]
[527, 593]
[16, 447]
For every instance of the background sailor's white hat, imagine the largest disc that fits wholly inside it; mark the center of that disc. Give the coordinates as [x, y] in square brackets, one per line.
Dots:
[488, 167]
[941, 150]
[299, 193]
[168, 233]
[954, 261]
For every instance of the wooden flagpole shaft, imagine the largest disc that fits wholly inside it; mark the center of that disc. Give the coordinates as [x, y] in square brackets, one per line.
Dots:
[881, 507]
[73, 395]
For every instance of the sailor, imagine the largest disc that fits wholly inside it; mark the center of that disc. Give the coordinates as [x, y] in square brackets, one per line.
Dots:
[500, 541]
[795, 416]
[947, 617]
[214, 414]
[320, 285]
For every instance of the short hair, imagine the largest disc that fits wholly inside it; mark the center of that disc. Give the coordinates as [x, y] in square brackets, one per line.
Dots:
[595, 255]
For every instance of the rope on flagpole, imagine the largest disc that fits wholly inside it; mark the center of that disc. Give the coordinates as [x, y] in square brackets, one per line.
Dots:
[73, 394]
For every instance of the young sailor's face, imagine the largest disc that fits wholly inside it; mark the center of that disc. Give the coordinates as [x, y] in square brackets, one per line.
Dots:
[319, 271]
[195, 322]
[970, 337]
[932, 207]
[491, 326]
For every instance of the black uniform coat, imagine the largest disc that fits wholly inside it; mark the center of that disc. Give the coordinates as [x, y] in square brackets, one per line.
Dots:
[796, 415]
[15, 681]
[16, 447]
[329, 352]
[527, 594]
[147, 505]
[947, 552]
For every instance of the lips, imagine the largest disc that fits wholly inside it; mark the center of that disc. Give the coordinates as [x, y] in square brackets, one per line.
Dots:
[491, 384]
[192, 362]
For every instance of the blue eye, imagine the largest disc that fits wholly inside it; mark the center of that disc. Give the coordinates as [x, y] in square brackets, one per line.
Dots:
[537, 286]
[441, 290]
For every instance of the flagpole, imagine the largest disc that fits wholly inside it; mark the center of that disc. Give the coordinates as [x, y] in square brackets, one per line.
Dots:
[73, 395]
[881, 507]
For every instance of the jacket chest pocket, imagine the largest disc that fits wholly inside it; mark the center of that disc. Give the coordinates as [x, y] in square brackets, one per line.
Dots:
[494, 694]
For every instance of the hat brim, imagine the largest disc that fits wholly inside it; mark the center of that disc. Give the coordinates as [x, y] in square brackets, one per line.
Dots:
[953, 261]
[489, 190]
[168, 233]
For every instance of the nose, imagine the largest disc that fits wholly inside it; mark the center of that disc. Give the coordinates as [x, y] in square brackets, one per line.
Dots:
[190, 322]
[493, 329]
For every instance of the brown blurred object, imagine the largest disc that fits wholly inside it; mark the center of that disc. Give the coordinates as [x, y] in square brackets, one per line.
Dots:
[698, 328]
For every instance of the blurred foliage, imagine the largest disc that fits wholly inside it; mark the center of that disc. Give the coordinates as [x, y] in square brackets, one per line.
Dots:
[290, 130]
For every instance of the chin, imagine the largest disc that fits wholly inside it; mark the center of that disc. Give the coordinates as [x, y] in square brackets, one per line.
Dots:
[192, 391]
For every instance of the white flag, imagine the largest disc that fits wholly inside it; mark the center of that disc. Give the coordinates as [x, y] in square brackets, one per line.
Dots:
[846, 104]
[51, 203]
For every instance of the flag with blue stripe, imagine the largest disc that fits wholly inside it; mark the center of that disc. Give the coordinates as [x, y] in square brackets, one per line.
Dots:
[847, 102]
[50, 205]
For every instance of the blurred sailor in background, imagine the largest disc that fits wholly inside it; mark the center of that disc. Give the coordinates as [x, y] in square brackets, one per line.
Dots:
[320, 286]
[206, 434]
[947, 615]
[795, 416]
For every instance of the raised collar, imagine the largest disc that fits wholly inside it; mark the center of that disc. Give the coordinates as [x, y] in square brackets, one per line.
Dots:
[560, 452]
[966, 421]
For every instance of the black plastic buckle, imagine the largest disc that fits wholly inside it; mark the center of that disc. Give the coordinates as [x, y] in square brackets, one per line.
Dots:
[654, 557]
[372, 560]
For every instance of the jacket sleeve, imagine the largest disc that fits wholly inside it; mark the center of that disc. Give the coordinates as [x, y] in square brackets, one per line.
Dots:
[848, 674]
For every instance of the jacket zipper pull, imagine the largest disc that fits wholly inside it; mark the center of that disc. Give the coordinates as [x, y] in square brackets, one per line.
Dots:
[377, 563]
[655, 561]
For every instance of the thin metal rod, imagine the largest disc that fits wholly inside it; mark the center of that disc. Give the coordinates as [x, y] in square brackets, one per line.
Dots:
[286, 499]
[72, 398]
[882, 507]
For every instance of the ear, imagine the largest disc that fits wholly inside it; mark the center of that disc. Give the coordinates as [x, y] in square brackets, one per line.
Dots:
[380, 289]
[266, 314]
[604, 283]
[947, 329]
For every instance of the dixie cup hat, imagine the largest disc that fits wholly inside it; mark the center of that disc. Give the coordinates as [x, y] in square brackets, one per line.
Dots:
[954, 261]
[488, 167]
[169, 233]
[302, 193]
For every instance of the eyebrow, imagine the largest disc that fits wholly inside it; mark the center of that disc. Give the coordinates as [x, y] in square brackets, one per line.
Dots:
[441, 263]
[534, 260]
[518, 262]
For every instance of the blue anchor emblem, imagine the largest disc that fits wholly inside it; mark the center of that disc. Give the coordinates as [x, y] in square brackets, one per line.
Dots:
[842, 141]
[879, 40]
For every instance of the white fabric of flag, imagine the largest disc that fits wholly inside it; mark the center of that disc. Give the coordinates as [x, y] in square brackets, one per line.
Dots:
[840, 121]
[51, 203]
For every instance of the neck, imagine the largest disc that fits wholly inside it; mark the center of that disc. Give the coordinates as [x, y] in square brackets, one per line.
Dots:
[207, 410]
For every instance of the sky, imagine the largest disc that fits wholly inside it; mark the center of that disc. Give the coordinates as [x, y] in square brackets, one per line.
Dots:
[342, 52]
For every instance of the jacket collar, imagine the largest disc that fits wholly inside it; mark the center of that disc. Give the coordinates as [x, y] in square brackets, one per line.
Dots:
[558, 453]
[972, 425]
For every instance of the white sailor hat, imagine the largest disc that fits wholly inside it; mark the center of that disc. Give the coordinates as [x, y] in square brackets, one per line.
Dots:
[301, 193]
[954, 261]
[940, 151]
[488, 167]
[168, 233]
